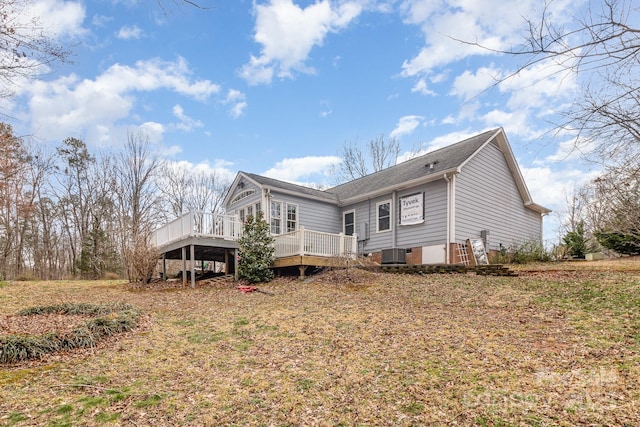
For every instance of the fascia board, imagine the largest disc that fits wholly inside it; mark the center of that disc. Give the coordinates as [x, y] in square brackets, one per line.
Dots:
[537, 208]
[239, 176]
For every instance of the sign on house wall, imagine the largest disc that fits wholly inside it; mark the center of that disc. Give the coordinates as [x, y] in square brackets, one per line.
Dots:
[412, 209]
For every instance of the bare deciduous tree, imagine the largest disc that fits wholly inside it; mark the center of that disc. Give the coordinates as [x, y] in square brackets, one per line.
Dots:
[357, 160]
[184, 189]
[25, 45]
[137, 199]
[603, 50]
[609, 204]
[12, 171]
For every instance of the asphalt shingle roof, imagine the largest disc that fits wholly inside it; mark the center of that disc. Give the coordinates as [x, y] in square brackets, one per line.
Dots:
[287, 186]
[443, 159]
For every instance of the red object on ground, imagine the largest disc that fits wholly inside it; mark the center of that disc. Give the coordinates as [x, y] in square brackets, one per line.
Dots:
[246, 289]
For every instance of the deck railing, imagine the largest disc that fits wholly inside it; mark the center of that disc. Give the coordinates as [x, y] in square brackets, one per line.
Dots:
[198, 224]
[299, 242]
[315, 243]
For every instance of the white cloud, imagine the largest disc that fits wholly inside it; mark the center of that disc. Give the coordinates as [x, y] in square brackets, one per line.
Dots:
[469, 85]
[237, 102]
[437, 143]
[515, 123]
[422, 87]
[571, 149]
[153, 130]
[295, 169]
[220, 168]
[186, 123]
[128, 33]
[70, 105]
[535, 86]
[441, 25]
[445, 23]
[58, 23]
[406, 125]
[548, 187]
[62, 19]
[101, 20]
[288, 32]
[326, 109]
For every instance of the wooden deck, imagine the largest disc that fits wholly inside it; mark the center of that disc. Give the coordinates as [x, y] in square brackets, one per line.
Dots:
[204, 237]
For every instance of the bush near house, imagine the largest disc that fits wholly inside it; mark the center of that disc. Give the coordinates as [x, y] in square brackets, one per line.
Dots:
[256, 251]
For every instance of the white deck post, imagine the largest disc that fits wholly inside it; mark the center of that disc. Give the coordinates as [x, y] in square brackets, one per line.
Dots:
[192, 223]
[301, 242]
[341, 244]
[184, 266]
[193, 266]
[354, 245]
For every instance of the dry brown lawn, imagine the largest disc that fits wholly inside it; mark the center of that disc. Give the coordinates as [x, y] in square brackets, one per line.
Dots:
[559, 345]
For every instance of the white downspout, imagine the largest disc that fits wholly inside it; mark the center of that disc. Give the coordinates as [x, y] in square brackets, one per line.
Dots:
[266, 203]
[453, 208]
[446, 249]
[392, 217]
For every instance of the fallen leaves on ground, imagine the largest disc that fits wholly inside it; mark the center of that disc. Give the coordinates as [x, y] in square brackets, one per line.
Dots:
[346, 347]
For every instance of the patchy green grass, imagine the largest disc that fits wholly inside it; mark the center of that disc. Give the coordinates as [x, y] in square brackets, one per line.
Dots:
[555, 346]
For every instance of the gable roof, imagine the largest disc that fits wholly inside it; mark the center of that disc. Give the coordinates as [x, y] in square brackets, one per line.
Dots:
[425, 168]
[267, 183]
[429, 167]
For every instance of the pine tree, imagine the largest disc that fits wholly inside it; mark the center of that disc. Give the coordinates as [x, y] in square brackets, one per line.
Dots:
[256, 251]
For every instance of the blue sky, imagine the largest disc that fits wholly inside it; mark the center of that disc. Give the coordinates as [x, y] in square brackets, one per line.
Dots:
[276, 87]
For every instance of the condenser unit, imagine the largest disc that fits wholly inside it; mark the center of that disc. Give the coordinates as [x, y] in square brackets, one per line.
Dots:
[394, 256]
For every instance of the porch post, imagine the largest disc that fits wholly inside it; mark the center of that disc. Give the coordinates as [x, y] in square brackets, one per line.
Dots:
[341, 248]
[184, 266]
[164, 266]
[235, 263]
[193, 266]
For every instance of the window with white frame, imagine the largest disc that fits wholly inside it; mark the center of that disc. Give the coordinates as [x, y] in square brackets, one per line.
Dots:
[249, 211]
[292, 217]
[276, 217]
[258, 208]
[383, 216]
[349, 222]
[241, 214]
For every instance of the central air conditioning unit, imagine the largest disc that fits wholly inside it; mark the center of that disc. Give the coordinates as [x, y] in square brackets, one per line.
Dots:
[394, 256]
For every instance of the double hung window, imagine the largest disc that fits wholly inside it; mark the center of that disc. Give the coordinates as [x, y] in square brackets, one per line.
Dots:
[276, 217]
[383, 216]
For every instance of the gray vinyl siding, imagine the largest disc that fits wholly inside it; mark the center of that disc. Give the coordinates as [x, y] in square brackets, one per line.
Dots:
[487, 198]
[366, 214]
[312, 215]
[245, 201]
[432, 231]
